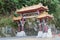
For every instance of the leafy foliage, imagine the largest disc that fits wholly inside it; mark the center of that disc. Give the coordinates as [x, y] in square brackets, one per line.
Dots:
[7, 22]
[7, 6]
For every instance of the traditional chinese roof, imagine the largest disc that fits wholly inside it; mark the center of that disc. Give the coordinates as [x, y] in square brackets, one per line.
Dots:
[45, 14]
[32, 8]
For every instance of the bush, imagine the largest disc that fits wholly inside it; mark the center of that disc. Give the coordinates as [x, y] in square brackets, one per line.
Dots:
[7, 21]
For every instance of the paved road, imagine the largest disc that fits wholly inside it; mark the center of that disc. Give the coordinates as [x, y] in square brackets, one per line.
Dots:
[29, 38]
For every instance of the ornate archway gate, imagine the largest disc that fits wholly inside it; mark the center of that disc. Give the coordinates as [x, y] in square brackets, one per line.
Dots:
[35, 11]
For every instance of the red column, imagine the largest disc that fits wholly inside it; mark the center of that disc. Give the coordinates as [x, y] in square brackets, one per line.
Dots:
[40, 27]
[46, 28]
[18, 26]
[45, 25]
[22, 24]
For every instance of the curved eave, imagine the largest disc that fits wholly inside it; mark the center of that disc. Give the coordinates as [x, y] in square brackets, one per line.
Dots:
[45, 16]
[17, 18]
[33, 10]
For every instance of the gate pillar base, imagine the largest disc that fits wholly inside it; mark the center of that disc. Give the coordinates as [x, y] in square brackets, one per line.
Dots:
[20, 34]
[40, 33]
[49, 34]
[44, 35]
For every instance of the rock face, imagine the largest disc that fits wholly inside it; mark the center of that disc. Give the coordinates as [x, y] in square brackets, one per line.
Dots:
[20, 34]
